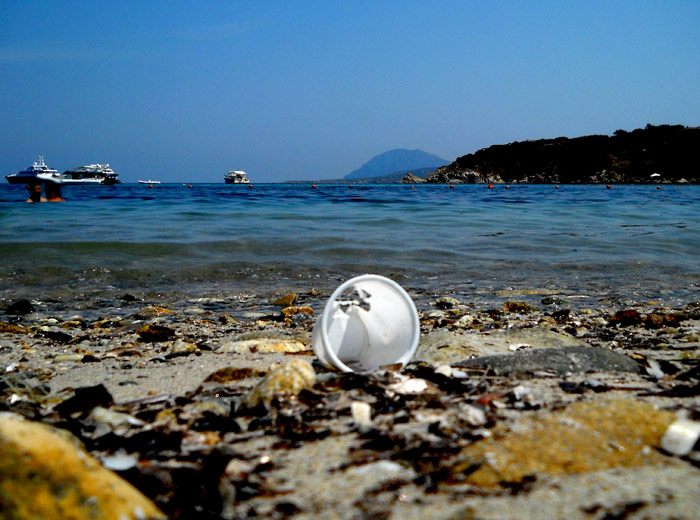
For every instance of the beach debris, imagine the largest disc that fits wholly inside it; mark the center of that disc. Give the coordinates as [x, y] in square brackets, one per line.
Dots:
[584, 437]
[362, 416]
[368, 322]
[285, 380]
[45, 473]
[292, 310]
[264, 346]
[681, 437]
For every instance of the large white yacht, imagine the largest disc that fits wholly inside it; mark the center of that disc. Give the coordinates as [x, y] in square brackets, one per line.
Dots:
[35, 173]
[236, 177]
[91, 174]
[39, 172]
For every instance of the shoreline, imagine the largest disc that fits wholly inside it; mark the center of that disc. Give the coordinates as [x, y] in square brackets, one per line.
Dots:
[181, 365]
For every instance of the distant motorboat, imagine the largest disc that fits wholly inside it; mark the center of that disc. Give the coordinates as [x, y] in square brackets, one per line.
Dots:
[149, 182]
[236, 177]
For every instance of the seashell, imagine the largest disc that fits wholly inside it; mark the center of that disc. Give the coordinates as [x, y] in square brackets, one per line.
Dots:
[287, 379]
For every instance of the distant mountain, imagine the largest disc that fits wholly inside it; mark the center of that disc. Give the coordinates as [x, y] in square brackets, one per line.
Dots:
[399, 160]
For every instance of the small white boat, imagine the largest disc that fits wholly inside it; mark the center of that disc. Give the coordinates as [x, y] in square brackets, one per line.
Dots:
[149, 182]
[236, 177]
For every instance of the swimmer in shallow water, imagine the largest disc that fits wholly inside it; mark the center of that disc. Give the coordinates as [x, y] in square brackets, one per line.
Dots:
[53, 192]
[35, 193]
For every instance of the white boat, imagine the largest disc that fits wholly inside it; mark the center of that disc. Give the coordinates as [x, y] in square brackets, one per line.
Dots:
[39, 172]
[91, 174]
[36, 173]
[236, 177]
[149, 182]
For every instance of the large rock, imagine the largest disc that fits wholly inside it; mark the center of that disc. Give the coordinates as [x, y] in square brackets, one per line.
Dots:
[449, 175]
[45, 474]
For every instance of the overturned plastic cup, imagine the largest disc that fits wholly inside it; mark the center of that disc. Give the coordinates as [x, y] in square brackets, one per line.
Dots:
[368, 322]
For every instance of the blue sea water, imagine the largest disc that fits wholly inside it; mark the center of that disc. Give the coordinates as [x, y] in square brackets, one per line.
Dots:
[584, 242]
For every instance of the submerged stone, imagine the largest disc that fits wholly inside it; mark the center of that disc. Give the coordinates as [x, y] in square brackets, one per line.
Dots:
[46, 474]
[584, 437]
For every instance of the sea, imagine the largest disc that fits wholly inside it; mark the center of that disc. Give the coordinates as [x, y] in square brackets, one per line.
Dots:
[575, 245]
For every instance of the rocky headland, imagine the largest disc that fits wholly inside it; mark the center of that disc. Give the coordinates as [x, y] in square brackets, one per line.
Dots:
[654, 154]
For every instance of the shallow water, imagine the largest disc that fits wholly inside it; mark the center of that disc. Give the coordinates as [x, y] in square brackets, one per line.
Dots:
[636, 243]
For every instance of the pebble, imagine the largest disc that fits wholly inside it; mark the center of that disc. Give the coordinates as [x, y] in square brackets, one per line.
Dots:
[681, 437]
[264, 345]
[287, 379]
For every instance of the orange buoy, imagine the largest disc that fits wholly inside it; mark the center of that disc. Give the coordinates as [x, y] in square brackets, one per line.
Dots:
[607, 187]
[556, 187]
[413, 187]
[313, 185]
[250, 185]
[189, 186]
[352, 186]
[658, 187]
[507, 187]
[490, 185]
[150, 185]
[452, 186]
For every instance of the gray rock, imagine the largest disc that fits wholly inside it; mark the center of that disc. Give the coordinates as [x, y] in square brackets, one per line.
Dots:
[562, 360]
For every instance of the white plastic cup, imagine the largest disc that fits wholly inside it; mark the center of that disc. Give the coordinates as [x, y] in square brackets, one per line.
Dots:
[369, 322]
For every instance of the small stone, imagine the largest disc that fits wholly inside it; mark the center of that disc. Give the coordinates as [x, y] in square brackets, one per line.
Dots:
[20, 308]
[155, 333]
[291, 311]
[362, 416]
[227, 319]
[181, 348]
[286, 300]
[153, 311]
[446, 303]
[12, 329]
[264, 345]
[285, 380]
[518, 307]
[681, 436]
[626, 318]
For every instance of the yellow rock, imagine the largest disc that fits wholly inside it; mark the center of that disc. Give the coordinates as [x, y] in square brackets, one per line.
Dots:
[12, 329]
[45, 474]
[153, 311]
[286, 300]
[584, 437]
[287, 379]
[291, 311]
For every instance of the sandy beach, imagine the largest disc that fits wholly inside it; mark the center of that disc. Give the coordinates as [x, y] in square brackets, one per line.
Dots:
[485, 422]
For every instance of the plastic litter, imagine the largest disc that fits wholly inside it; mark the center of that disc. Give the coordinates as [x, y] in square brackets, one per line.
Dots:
[369, 322]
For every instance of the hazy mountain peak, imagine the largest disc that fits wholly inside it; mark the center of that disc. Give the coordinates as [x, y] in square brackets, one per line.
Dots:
[399, 159]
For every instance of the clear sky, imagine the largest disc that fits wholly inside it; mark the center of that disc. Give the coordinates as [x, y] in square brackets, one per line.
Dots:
[288, 90]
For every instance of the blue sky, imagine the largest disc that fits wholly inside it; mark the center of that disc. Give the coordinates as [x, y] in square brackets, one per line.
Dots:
[185, 91]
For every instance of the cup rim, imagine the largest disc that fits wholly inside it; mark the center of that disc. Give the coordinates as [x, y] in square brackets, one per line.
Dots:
[352, 281]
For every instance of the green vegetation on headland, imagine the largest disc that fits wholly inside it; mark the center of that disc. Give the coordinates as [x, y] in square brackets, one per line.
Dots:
[658, 154]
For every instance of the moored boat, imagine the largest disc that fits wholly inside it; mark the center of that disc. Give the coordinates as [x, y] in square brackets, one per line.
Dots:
[149, 182]
[236, 177]
[91, 174]
[34, 174]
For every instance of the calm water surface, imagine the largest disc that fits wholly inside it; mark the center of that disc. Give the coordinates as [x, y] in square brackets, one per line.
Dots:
[584, 242]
